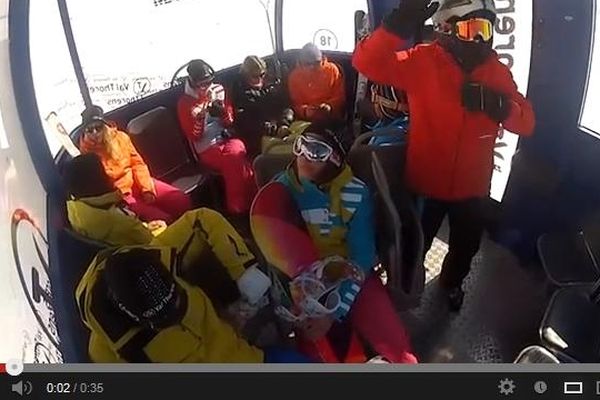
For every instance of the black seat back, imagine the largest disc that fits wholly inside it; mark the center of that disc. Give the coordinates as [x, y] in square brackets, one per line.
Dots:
[571, 325]
[267, 166]
[382, 169]
[157, 136]
[536, 355]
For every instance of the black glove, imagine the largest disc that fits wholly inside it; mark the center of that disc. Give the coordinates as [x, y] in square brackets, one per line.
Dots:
[269, 128]
[217, 109]
[287, 117]
[410, 15]
[478, 98]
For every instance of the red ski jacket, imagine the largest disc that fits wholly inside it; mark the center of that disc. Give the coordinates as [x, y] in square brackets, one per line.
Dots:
[192, 109]
[450, 150]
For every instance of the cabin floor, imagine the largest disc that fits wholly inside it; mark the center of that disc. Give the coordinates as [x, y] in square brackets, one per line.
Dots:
[504, 305]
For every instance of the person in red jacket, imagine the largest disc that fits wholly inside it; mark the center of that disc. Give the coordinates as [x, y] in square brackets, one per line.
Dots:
[205, 114]
[461, 97]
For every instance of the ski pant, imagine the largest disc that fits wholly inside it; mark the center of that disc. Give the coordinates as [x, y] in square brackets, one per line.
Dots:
[229, 159]
[171, 203]
[466, 220]
[375, 319]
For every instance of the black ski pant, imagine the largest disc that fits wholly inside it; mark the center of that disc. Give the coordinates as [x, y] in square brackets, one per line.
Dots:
[466, 220]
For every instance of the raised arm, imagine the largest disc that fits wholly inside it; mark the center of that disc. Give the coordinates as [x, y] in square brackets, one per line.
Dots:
[377, 56]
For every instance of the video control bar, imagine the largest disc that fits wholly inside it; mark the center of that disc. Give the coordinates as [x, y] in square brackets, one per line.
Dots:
[308, 385]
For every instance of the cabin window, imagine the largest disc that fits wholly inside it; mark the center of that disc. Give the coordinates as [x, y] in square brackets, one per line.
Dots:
[57, 93]
[590, 117]
[3, 137]
[131, 49]
[512, 41]
[327, 24]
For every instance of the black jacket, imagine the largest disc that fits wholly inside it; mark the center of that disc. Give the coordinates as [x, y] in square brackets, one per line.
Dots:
[254, 107]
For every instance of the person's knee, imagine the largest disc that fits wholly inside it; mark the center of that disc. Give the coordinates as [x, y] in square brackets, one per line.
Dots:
[235, 148]
[184, 200]
[176, 200]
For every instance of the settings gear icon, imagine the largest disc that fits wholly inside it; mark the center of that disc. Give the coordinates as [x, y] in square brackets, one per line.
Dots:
[507, 387]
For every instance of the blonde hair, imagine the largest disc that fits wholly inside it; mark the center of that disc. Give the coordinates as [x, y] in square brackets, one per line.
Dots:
[109, 141]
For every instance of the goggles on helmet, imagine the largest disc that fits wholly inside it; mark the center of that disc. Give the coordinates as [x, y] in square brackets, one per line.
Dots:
[471, 30]
[315, 150]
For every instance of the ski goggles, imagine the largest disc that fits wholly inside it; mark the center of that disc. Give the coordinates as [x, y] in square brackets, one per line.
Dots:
[470, 30]
[312, 300]
[335, 269]
[95, 128]
[316, 292]
[315, 150]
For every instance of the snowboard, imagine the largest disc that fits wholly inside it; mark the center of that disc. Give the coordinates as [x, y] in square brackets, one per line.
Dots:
[281, 234]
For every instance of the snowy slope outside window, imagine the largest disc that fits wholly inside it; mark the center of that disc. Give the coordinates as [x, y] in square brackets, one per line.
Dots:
[56, 90]
[590, 119]
[131, 49]
[328, 24]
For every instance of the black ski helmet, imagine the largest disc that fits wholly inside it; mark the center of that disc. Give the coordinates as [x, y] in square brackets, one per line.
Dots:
[200, 71]
[140, 286]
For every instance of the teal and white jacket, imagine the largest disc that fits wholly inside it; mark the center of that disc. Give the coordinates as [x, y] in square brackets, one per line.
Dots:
[339, 217]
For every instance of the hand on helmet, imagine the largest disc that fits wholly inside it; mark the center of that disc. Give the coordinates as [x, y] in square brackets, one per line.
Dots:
[478, 98]
[409, 16]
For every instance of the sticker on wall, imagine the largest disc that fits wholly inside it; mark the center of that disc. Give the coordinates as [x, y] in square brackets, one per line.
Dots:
[30, 252]
[325, 39]
[117, 91]
[512, 42]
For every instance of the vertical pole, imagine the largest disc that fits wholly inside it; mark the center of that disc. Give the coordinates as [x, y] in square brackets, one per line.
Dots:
[66, 23]
[279, 25]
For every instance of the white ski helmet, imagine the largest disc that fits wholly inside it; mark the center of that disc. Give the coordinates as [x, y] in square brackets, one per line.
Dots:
[460, 8]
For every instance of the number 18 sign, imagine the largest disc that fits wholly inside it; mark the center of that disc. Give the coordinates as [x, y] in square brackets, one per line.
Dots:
[325, 39]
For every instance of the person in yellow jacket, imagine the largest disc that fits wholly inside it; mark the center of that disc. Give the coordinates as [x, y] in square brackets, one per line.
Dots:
[140, 309]
[201, 236]
[96, 208]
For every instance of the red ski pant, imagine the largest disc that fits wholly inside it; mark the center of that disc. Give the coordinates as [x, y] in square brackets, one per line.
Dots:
[375, 319]
[229, 159]
[171, 203]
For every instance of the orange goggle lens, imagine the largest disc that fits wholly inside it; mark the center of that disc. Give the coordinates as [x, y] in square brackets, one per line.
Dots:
[474, 29]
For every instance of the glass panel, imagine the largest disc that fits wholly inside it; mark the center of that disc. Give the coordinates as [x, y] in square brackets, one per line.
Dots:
[3, 137]
[512, 40]
[328, 24]
[590, 118]
[131, 49]
[56, 90]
